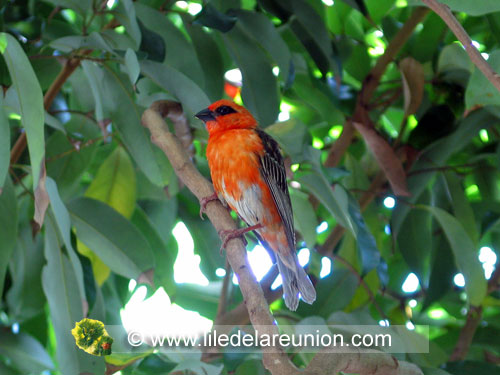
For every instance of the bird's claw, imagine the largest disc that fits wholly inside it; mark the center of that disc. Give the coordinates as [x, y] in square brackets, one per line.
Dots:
[228, 235]
[204, 201]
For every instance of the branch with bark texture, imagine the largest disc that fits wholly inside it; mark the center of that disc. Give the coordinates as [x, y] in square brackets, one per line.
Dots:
[477, 59]
[261, 318]
[274, 359]
[474, 316]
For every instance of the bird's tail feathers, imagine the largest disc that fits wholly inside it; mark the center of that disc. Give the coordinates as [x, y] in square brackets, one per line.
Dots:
[295, 281]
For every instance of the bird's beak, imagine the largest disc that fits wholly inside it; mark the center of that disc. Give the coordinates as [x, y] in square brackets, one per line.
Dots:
[205, 115]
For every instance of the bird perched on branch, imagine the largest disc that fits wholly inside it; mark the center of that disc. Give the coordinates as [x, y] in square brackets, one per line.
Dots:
[248, 174]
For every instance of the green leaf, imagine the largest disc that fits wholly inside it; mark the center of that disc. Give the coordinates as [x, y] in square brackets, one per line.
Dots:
[369, 254]
[471, 367]
[121, 359]
[54, 122]
[180, 54]
[8, 227]
[67, 164]
[335, 200]
[115, 183]
[437, 154]
[95, 77]
[126, 116]
[414, 239]
[494, 24]
[454, 57]
[291, 136]
[208, 50]
[427, 41]
[304, 217]
[311, 93]
[313, 34]
[251, 367]
[203, 299]
[358, 5]
[152, 44]
[71, 43]
[260, 88]
[334, 292]
[125, 14]
[25, 297]
[65, 303]
[361, 297]
[163, 214]
[164, 254]
[480, 91]
[359, 63]
[132, 64]
[264, 32]
[4, 146]
[377, 9]
[63, 224]
[206, 240]
[434, 371]
[473, 9]
[80, 6]
[112, 237]
[154, 364]
[184, 89]
[4, 370]
[211, 17]
[198, 367]
[461, 206]
[466, 254]
[24, 352]
[30, 97]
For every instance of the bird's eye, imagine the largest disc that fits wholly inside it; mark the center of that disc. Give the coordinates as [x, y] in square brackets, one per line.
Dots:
[224, 110]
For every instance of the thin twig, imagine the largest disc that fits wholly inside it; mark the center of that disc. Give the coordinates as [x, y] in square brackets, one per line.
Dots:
[477, 59]
[362, 282]
[474, 316]
[370, 84]
[222, 307]
[68, 69]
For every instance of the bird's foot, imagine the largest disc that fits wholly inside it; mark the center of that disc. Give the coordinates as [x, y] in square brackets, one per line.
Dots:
[228, 235]
[205, 201]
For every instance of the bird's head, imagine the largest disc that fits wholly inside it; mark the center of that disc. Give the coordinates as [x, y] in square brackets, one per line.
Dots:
[225, 115]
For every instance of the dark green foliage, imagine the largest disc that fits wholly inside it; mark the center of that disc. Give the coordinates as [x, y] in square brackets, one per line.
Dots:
[114, 199]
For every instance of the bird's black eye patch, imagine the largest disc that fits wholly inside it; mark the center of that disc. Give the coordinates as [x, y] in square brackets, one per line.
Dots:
[224, 110]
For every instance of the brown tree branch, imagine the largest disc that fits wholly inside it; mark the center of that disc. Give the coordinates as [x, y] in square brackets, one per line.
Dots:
[222, 307]
[474, 316]
[461, 349]
[477, 59]
[274, 359]
[277, 362]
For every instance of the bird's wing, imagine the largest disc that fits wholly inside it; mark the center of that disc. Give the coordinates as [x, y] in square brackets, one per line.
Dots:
[273, 172]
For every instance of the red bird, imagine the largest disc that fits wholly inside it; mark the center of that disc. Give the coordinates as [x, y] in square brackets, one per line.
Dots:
[249, 175]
